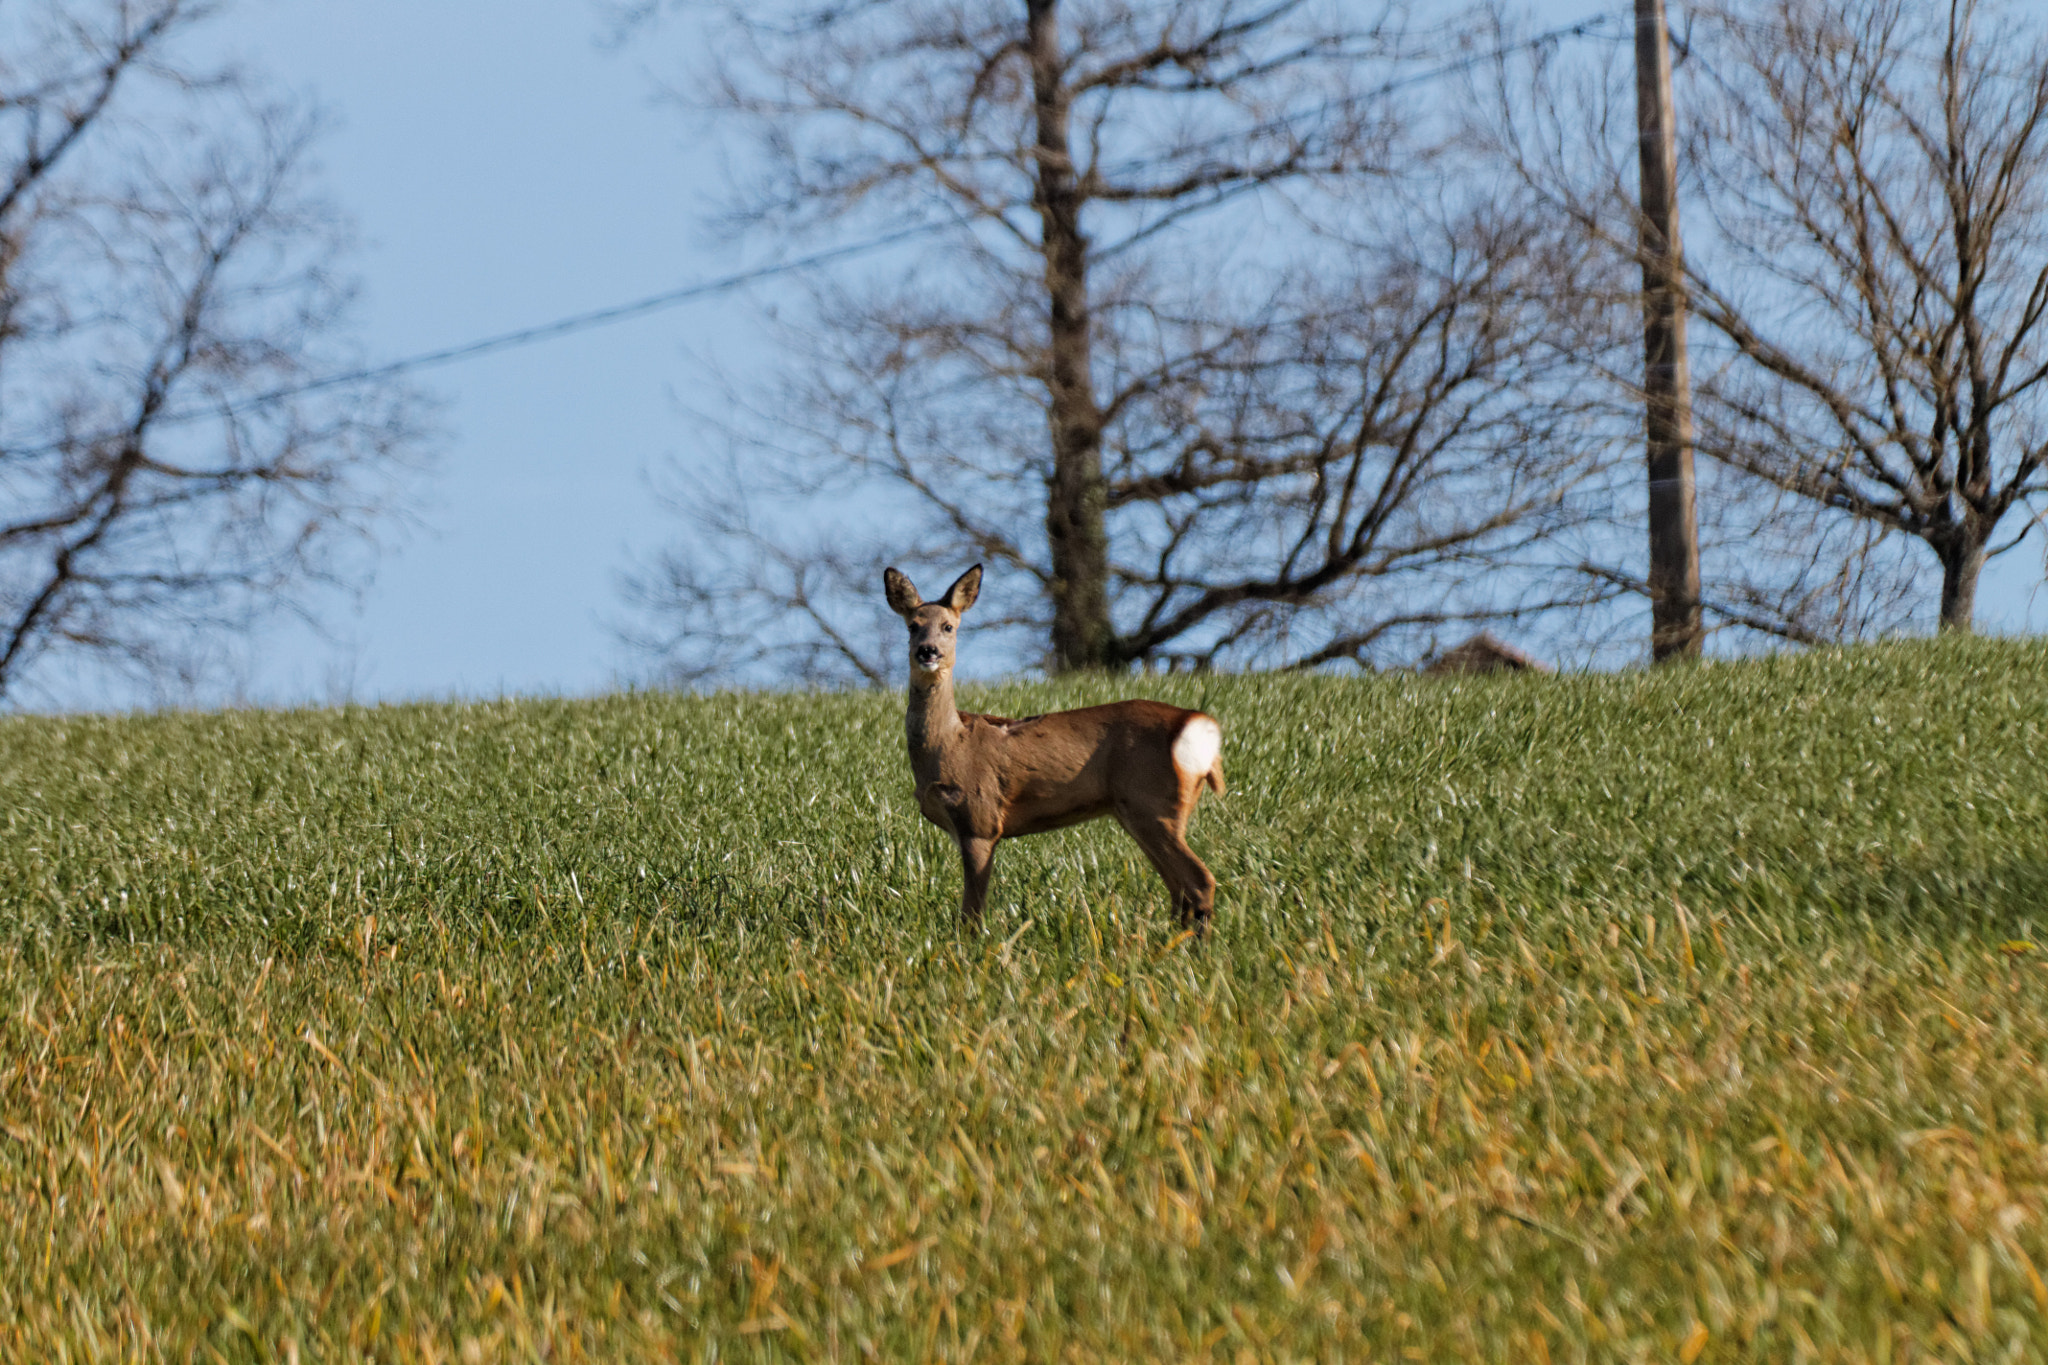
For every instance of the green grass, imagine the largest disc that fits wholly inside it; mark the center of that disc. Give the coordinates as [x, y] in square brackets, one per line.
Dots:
[1688, 1016]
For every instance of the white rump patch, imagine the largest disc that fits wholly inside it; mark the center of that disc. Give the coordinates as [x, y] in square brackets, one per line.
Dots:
[1194, 753]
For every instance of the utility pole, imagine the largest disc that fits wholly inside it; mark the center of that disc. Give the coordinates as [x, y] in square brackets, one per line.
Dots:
[1667, 377]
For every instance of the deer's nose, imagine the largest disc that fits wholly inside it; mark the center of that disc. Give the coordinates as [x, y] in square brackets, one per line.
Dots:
[927, 654]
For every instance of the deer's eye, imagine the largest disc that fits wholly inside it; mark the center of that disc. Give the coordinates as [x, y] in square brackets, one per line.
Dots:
[948, 628]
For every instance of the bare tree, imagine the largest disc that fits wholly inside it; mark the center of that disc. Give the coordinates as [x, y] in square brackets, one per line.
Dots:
[165, 291]
[1871, 272]
[1209, 348]
[1877, 168]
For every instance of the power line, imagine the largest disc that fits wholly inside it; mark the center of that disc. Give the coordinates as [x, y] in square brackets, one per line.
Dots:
[505, 341]
[1590, 26]
[583, 322]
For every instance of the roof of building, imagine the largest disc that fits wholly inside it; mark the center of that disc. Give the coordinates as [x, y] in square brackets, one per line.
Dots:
[1482, 654]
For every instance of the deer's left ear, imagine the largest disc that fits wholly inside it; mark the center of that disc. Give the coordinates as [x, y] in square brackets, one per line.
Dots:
[903, 598]
[965, 589]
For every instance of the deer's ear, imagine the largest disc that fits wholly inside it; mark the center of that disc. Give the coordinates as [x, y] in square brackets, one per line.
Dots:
[903, 598]
[965, 589]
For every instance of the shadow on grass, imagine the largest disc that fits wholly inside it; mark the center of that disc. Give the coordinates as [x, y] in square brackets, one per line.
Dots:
[1913, 898]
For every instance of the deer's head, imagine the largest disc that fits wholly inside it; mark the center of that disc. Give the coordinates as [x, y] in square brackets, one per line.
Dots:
[934, 626]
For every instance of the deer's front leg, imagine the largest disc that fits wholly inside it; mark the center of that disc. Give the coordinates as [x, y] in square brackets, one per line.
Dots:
[977, 860]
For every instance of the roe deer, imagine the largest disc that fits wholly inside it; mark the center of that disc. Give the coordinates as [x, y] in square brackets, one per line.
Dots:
[983, 779]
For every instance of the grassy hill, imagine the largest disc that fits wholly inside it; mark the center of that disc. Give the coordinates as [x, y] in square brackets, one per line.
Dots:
[1696, 1015]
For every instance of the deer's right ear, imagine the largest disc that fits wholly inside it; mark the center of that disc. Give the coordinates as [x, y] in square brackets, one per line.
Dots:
[903, 598]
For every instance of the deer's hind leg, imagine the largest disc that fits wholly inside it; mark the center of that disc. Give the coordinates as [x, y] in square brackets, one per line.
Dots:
[1187, 878]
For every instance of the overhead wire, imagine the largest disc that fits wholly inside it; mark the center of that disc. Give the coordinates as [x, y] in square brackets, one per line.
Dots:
[598, 317]
[654, 303]
[503, 341]
[1592, 26]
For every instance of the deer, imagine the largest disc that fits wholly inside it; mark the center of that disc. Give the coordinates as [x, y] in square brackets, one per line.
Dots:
[983, 779]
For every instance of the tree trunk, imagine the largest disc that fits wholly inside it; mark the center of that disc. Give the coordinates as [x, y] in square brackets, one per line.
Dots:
[1667, 377]
[1962, 561]
[1076, 496]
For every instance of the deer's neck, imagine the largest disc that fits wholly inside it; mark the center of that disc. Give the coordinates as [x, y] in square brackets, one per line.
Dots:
[932, 721]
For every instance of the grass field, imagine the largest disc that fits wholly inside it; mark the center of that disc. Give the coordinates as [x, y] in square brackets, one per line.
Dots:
[1697, 1016]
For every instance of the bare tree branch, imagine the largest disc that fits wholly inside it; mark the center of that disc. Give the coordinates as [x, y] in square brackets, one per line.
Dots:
[1186, 447]
[1868, 271]
[155, 258]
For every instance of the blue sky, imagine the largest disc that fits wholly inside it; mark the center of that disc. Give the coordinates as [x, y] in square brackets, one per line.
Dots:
[506, 167]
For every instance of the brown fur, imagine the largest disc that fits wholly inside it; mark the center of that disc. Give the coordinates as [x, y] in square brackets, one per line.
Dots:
[984, 779]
